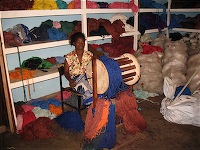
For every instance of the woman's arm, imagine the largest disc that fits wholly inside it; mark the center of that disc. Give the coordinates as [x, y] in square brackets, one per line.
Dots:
[72, 83]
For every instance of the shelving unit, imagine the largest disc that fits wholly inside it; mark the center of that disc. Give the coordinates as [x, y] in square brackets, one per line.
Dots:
[31, 47]
[40, 76]
[154, 10]
[84, 13]
[182, 10]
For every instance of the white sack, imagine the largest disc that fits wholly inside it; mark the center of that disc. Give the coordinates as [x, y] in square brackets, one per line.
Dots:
[185, 111]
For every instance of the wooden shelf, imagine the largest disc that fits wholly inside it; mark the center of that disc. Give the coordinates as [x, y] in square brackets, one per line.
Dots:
[106, 11]
[154, 30]
[39, 77]
[93, 38]
[190, 10]
[39, 13]
[186, 30]
[36, 46]
[153, 10]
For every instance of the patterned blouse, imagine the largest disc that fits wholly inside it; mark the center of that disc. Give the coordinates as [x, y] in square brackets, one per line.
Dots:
[75, 67]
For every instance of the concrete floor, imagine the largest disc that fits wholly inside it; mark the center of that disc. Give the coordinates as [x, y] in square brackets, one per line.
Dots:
[159, 135]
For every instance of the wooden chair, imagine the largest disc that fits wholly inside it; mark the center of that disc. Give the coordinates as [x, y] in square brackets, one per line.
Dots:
[74, 93]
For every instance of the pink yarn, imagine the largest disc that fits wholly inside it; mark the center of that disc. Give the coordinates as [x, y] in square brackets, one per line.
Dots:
[119, 5]
[28, 117]
[89, 4]
[56, 24]
[133, 7]
[66, 95]
[19, 123]
[27, 108]
[77, 4]
[92, 5]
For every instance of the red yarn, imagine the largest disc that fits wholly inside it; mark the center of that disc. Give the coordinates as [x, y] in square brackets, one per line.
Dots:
[52, 60]
[39, 129]
[123, 45]
[149, 49]
[28, 117]
[126, 108]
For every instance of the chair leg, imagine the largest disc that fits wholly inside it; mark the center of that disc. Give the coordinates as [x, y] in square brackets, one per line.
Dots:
[79, 104]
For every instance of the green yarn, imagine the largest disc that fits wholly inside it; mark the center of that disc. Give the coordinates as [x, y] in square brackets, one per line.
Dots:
[62, 4]
[67, 27]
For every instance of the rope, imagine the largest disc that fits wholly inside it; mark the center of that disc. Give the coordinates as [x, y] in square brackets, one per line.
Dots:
[24, 90]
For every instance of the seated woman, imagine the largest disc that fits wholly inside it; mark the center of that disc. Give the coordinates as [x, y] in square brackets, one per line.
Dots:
[75, 66]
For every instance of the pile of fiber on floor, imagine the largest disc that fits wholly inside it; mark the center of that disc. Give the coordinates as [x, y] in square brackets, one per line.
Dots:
[71, 121]
[127, 109]
[39, 129]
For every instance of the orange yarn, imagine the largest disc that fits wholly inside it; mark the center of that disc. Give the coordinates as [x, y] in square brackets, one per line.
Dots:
[71, 5]
[127, 108]
[95, 122]
[57, 110]
[27, 74]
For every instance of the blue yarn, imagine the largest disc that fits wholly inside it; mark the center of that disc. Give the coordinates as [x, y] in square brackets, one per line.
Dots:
[70, 120]
[109, 137]
[44, 104]
[116, 83]
[186, 91]
[60, 59]
[88, 101]
[56, 35]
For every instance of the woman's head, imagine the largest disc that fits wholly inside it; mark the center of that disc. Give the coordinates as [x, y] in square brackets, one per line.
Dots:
[78, 40]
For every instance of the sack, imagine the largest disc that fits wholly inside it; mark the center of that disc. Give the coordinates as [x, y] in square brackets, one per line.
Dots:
[169, 88]
[184, 111]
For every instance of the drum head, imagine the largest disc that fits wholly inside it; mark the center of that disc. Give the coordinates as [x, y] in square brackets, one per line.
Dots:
[102, 76]
[137, 69]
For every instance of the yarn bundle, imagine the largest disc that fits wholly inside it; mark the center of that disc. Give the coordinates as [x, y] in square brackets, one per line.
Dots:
[193, 42]
[151, 79]
[193, 65]
[159, 41]
[175, 62]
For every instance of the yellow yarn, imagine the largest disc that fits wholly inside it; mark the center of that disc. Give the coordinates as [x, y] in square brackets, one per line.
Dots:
[44, 5]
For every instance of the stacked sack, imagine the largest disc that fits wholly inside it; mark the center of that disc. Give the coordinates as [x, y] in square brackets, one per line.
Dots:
[175, 62]
[193, 65]
[193, 42]
[151, 79]
[159, 41]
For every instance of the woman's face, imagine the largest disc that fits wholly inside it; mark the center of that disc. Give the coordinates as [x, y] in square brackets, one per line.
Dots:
[79, 43]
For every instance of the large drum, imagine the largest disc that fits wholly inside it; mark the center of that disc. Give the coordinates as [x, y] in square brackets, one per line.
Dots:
[130, 68]
[102, 76]
[130, 71]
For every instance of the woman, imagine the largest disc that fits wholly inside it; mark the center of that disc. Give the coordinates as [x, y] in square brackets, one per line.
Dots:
[75, 65]
[77, 60]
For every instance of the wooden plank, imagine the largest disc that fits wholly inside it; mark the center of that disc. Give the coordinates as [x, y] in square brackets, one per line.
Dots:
[134, 138]
[128, 79]
[6, 92]
[94, 82]
[122, 59]
[128, 75]
[128, 68]
[121, 63]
